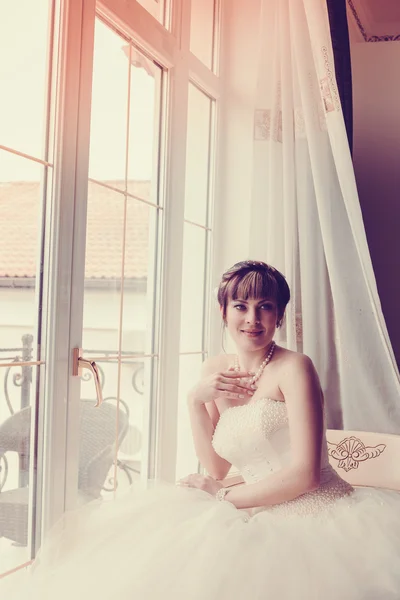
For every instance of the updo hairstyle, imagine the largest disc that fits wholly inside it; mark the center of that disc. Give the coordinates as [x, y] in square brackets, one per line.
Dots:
[253, 279]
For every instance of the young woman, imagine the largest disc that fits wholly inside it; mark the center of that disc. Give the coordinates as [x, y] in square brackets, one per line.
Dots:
[293, 531]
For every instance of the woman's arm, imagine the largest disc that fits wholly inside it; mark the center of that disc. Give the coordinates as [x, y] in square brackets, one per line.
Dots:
[302, 392]
[203, 420]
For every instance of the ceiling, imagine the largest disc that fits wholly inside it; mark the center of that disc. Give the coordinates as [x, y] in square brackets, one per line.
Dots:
[374, 20]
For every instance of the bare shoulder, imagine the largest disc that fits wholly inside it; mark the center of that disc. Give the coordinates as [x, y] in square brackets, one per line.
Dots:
[295, 361]
[297, 371]
[213, 364]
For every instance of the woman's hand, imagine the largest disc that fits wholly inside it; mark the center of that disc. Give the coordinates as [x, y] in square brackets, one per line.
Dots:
[201, 482]
[229, 384]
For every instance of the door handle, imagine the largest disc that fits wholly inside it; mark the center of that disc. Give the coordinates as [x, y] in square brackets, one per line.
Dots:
[79, 363]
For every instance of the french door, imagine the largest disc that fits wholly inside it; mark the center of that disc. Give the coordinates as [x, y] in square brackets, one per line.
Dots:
[107, 302]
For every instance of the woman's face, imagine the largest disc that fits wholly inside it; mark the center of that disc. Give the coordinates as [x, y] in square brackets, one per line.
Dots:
[252, 322]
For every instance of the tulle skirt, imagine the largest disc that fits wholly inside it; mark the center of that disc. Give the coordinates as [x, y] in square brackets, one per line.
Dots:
[171, 543]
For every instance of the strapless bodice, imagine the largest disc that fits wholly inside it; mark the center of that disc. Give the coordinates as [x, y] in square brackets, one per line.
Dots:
[254, 437]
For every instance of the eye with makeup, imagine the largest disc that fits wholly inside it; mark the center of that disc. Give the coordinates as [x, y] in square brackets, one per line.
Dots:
[268, 306]
[239, 306]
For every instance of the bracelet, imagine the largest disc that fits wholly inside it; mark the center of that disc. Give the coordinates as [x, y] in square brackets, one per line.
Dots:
[220, 495]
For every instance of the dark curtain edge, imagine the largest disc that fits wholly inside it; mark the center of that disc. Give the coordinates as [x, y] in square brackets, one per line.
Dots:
[341, 51]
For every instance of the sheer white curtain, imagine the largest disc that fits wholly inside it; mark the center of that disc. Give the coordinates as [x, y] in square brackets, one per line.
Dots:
[307, 219]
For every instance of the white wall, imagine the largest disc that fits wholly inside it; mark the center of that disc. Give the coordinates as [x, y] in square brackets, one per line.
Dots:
[376, 97]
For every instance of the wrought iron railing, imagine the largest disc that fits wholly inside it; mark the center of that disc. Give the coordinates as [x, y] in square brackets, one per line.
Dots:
[21, 379]
[17, 386]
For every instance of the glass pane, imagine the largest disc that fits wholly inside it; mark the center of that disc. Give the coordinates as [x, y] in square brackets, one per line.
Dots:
[193, 275]
[202, 31]
[189, 374]
[121, 236]
[16, 455]
[197, 156]
[98, 431]
[135, 395]
[156, 8]
[101, 325]
[144, 126]
[103, 269]
[121, 246]
[139, 267]
[111, 435]
[109, 107]
[21, 195]
[24, 27]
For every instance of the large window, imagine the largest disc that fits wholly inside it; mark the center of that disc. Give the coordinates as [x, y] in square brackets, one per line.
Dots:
[25, 180]
[106, 177]
[124, 223]
[196, 263]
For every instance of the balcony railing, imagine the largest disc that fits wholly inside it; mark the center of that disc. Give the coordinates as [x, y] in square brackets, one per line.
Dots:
[17, 392]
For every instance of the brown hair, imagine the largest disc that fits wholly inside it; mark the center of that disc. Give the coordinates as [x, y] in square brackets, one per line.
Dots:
[253, 279]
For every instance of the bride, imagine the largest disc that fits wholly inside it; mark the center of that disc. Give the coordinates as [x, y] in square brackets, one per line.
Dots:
[293, 531]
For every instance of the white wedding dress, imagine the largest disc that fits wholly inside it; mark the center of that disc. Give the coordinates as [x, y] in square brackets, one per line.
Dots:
[174, 543]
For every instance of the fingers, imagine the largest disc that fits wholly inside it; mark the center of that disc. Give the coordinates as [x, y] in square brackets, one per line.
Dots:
[233, 396]
[235, 374]
[185, 481]
[237, 386]
[194, 480]
[236, 390]
[190, 478]
[226, 378]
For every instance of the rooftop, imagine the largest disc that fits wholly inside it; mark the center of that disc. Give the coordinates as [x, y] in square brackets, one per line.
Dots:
[20, 204]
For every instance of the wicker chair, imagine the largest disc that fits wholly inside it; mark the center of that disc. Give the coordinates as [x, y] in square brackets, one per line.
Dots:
[98, 445]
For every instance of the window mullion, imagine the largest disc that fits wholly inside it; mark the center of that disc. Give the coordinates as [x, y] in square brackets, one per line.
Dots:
[167, 410]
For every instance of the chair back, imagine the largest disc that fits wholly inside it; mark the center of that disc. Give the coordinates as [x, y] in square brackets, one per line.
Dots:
[102, 430]
[15, 432]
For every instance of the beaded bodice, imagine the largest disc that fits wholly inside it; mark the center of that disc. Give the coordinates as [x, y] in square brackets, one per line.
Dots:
[254, 437]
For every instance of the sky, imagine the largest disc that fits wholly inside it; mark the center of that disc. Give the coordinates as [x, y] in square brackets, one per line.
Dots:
[23, 72]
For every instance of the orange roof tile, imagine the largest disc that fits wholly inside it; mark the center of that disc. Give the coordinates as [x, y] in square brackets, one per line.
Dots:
[20, 230]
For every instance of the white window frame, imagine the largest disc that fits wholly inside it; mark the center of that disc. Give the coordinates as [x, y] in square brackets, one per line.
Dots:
[66, 249]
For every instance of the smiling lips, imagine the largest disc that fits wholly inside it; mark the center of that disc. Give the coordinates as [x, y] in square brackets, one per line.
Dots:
[251, 333]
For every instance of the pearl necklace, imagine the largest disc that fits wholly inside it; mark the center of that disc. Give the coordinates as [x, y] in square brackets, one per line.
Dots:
[261, 368]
